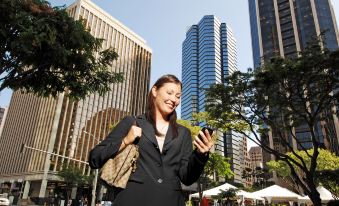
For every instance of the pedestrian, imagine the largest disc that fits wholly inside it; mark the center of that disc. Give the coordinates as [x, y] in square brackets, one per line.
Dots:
[166, 153]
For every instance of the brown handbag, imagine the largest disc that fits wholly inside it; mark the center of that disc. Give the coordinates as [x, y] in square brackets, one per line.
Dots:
[116, 171]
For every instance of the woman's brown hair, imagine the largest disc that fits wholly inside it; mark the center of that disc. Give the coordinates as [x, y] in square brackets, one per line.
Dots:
[150, 113]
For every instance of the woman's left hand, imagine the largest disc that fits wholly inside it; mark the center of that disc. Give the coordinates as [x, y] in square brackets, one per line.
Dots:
[204, 144]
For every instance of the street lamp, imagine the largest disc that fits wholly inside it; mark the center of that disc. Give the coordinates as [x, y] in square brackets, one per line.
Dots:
[24, 147]
[96, 172]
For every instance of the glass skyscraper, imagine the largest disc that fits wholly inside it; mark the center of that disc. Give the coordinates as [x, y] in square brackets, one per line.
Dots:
[208, 57]
[284, 28]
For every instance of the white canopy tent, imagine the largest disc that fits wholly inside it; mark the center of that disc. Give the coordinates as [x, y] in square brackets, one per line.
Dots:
[277, 193]
[248, 195]
[215, 191]
[325, 195]
[272, 193]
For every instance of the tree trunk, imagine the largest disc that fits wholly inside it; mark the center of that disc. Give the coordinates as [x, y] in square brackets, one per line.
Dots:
[314, 194]
[315, 197]
[199, 190]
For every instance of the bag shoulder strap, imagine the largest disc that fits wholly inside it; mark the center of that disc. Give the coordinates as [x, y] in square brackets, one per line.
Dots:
[136, 141]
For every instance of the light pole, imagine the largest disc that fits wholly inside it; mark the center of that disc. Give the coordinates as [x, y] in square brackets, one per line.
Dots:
[24, 146]
[96, 172]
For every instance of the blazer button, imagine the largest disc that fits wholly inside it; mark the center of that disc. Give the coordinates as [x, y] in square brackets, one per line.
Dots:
[158, 164]
[160, 180]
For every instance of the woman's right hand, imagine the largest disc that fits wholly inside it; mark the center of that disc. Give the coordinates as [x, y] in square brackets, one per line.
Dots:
[133, 133]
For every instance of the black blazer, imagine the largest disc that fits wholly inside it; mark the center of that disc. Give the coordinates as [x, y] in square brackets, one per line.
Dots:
[157, 178]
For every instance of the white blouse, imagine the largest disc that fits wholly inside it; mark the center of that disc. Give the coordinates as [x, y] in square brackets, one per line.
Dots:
[161, 138]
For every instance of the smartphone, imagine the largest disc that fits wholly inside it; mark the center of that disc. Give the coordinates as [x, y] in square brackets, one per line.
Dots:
[210, 131]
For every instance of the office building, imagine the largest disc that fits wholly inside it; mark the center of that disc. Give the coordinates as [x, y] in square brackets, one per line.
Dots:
[208, 57]
[255, 154]
[247, 165]
[284, 28]
[256, 158]
[68, 128]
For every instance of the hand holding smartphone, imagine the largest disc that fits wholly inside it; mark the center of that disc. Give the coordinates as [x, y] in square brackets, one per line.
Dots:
[204, 146]
[210, 131]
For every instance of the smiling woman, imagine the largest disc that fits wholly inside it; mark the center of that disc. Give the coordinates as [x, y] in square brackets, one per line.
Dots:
[166, 157]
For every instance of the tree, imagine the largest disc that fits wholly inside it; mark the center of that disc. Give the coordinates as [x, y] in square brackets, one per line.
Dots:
[217, 165]
[326, 170]
[227, 197]
[46, 52]
[73, 177]
[279, 97]
[330, 180]
[190, 125]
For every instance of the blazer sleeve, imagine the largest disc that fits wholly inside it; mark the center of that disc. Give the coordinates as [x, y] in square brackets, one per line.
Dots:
[192, 163]
[109, 147]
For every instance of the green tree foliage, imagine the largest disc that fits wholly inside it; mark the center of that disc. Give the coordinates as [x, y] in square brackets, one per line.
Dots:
[73, 176]
[277, 98]
[330, 180]
[227, 197]
[218, 165]
[46, 52]
[327, 169]
[190, 125]
[228, 121]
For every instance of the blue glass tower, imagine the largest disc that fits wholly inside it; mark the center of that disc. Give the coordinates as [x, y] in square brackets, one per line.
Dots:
[284, 28]
[208, 57]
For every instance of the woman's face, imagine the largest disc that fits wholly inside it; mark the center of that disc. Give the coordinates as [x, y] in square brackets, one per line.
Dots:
[166, 98]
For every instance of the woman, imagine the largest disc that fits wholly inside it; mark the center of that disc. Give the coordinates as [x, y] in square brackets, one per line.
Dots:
[166, 157]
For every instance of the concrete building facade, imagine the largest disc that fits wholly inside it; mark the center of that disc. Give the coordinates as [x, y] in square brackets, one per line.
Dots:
[72, 128]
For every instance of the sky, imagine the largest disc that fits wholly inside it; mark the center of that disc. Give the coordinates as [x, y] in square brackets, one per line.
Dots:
[163, 24]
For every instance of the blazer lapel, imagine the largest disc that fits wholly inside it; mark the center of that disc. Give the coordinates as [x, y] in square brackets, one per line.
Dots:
[168, 137]
[147, 129]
